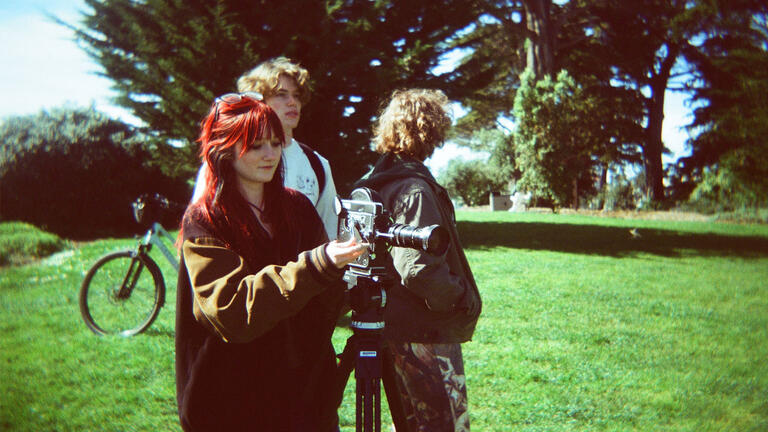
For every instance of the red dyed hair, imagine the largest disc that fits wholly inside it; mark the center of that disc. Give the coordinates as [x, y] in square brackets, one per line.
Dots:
[222, 204]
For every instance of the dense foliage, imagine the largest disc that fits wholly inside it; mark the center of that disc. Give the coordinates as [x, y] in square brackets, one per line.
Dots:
[75, 172]
[728, 168]
[554, 142]
[627, 55]
[472, 181]
[169, 59]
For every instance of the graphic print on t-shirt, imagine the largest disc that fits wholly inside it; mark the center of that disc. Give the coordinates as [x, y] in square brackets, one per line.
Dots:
[307, 185]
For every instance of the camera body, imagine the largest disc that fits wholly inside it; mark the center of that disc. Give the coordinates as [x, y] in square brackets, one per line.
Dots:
[363, 217]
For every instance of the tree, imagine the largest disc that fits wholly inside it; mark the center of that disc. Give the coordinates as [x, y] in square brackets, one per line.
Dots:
[738, 181]
[553, 143]
[624, 193]
[729, 157]
[624, 53]
[654, 41]
[472, 181]
[545, 37]
[499, 146]
[646, 41]
[75, 172]
[168, 59]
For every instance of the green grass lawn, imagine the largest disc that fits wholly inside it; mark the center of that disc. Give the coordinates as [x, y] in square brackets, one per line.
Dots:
[584, 327]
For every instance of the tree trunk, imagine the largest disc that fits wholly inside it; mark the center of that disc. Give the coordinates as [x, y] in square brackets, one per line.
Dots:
[576, 193]
[601, 185]
[654, 146]
[652, 151]
[540, 48]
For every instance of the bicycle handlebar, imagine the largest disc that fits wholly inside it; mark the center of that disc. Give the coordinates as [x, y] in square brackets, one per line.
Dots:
[148, 207]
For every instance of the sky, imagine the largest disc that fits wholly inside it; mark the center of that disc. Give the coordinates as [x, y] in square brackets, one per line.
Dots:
[43, 67]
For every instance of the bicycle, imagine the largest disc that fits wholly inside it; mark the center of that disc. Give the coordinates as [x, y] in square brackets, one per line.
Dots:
[123, 292]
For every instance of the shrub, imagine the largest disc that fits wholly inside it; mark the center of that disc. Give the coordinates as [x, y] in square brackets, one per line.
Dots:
[20, 241]
[623, 193]
[75, 172]
[472, 181]
[738, 182]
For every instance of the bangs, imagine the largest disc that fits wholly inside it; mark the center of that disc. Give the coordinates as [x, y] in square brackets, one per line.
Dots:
[259, 124]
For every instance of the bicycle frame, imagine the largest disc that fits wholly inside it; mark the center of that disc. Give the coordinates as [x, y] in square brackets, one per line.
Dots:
[153, 238]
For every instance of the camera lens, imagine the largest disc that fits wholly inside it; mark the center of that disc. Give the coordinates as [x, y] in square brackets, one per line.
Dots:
[432, 239]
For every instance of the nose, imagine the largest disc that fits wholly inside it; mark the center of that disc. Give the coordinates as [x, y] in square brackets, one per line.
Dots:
[272, 152]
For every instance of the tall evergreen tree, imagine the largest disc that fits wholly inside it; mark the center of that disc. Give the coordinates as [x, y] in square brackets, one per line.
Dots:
[554, 140]
[729, 155]
[646, 40]
[651, 42]
[168, 59]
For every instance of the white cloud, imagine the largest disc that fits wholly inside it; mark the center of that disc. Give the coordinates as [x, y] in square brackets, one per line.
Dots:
[450, 150]
[42, 65]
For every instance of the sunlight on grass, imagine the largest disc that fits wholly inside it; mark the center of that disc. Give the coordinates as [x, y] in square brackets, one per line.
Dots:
[584, 327]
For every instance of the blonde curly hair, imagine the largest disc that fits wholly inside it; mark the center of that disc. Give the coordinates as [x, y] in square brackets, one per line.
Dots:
[265, 78]
[414, 123]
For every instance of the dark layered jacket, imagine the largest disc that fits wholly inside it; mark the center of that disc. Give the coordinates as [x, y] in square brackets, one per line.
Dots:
[437, 300]
[253, 336]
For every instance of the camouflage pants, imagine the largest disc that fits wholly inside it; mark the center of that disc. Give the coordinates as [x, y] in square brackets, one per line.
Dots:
[431, 386]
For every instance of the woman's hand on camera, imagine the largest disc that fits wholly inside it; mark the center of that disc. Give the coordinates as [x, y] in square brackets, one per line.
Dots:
[344, 253]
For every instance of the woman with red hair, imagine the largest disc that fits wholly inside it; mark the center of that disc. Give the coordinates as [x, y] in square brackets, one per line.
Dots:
[259, 288]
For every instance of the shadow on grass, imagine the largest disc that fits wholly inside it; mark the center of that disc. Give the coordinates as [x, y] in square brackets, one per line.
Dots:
[605, 240]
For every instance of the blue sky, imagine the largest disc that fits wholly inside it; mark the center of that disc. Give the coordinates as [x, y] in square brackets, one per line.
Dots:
[42, 65]
[42, 68]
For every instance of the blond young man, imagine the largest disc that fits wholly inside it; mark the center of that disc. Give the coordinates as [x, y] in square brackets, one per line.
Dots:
[284, 85]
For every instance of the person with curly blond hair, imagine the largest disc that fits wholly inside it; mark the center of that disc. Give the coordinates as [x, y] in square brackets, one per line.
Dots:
[436, 304]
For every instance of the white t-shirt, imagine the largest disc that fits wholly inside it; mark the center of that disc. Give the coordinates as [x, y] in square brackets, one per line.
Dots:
[299, 175]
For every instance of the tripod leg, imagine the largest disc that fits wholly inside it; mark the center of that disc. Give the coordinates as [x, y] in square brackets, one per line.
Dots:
[359, 405]
[346, 364]
[368, 408]
[377, 404]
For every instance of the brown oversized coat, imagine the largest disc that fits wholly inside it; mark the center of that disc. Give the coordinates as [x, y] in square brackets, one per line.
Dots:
[253, 339]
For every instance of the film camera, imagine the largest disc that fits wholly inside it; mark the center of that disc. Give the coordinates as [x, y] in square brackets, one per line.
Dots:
[363, 217]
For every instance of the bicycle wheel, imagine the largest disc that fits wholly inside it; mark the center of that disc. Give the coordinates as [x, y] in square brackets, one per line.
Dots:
[122, 294]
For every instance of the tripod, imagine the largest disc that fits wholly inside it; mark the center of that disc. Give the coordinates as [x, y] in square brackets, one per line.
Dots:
[367, 297]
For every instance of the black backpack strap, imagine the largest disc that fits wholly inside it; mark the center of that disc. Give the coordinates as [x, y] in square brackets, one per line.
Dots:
[317, 166]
